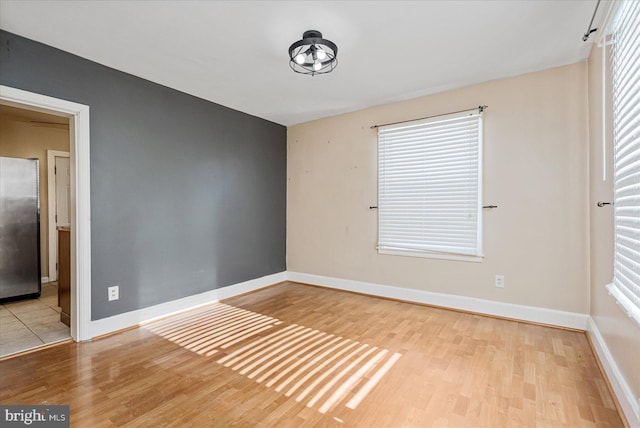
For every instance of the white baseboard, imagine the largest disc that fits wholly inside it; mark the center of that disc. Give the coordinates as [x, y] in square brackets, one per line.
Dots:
[481, 306]
[134, 318]
[628, 402]
[44, 280]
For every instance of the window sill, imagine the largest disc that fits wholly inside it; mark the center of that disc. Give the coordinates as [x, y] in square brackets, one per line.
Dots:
[624, 303]
[440, 256]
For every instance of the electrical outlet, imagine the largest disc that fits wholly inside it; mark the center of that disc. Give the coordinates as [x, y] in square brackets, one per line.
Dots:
[114, 292]
[500, 281]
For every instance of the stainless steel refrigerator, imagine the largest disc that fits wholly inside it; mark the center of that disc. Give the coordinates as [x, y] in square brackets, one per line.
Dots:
[19, 229]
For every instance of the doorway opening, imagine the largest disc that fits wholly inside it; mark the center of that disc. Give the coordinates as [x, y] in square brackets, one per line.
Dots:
[78, 200]
[31, 313]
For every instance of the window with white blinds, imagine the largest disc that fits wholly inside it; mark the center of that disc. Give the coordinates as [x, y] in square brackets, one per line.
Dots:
[626, 168]
[430, 187]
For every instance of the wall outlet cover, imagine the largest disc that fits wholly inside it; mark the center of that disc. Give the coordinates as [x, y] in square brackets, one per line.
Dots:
[114, 292]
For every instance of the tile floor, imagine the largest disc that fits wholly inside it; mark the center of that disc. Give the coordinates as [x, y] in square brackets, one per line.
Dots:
[31, 323]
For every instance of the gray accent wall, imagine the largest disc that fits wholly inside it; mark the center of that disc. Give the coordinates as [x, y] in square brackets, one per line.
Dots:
[186, 195]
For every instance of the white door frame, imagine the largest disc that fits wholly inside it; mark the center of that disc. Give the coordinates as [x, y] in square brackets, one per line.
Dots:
[51, 193]
[80, 197]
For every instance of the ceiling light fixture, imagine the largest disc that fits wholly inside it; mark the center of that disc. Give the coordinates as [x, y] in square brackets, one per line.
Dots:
[313, 54]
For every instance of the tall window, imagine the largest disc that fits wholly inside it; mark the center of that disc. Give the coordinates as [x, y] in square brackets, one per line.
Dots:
[626, 168]
[430, 187]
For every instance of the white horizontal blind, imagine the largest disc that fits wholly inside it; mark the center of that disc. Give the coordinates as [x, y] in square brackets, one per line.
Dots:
[626, 168]
[429, 186]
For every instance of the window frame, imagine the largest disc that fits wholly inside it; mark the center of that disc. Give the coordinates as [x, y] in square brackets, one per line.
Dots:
[478, 257]
[617, 288]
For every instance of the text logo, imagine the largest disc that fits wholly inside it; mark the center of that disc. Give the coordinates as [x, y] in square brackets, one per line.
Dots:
[35, 416]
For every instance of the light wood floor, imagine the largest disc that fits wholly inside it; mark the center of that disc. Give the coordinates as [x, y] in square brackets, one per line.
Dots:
[295, 355]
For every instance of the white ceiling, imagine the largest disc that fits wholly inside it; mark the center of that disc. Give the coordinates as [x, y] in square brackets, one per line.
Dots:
[235, 52]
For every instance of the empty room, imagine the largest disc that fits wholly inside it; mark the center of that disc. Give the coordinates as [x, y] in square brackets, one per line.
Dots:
[320, 214]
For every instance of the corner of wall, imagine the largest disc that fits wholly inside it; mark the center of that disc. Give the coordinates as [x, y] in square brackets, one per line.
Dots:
[629, 404]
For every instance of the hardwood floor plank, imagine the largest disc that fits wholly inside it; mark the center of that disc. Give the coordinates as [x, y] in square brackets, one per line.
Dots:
[300, 356]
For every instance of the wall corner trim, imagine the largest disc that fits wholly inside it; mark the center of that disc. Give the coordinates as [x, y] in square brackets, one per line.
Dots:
[630, 405]
[131, 319]
[488, 307]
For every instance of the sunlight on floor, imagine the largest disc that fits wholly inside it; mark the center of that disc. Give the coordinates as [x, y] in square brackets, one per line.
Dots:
[216, 326]
[313, 367]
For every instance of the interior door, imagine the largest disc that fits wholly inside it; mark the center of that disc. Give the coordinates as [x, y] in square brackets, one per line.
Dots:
[63, 188]
[60, 208]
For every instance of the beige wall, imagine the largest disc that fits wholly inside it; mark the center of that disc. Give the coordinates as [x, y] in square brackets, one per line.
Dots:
[621, 335]
[21, 139]
[535, 169]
